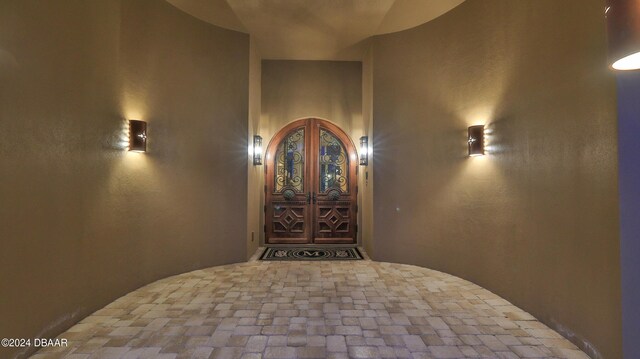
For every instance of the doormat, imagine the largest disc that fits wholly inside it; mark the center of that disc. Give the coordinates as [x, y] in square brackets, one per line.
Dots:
[310, 254]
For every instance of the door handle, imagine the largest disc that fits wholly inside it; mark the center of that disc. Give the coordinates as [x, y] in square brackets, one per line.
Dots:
[314, 197]
[308, 197]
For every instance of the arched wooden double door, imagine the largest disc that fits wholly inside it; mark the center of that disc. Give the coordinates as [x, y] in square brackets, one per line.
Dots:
[311, 185]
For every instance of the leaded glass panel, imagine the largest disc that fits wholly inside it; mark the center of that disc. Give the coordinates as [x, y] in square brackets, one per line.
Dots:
[289, 170]
[334, 163]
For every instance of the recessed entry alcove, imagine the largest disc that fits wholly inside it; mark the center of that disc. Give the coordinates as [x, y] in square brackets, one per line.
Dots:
[311, 185]
[479, 154]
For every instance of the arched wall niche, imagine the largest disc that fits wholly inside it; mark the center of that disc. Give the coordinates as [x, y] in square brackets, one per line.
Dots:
[330, 90]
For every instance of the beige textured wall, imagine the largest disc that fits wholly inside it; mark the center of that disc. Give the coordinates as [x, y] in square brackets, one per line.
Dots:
[330, 90]
[326, 89]
[365, 180]
[535, 220]
[82, 221]
[255, 180]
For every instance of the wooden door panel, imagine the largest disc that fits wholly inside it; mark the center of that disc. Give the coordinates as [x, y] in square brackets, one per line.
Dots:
[310, 192]
[334, 222]
[289, 217]
[287, 204]
[288, 222]
[335, 186]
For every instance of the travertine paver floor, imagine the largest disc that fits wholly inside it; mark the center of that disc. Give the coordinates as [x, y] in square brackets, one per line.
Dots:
[350, 309]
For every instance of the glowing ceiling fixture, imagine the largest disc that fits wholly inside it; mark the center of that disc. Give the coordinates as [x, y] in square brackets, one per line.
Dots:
[623, 30]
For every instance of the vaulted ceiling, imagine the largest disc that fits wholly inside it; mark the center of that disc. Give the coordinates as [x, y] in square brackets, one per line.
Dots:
[315, 29]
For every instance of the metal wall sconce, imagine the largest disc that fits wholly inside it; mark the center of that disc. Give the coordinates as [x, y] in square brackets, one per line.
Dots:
[137, 136]
[364, 151]
[623, 30]
[257, 150]
[476, 140]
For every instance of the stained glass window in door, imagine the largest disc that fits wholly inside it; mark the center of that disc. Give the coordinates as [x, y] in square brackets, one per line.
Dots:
[334, 163]
[289, 164]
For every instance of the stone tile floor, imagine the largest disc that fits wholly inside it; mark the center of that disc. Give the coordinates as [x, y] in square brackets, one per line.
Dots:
[337, 309]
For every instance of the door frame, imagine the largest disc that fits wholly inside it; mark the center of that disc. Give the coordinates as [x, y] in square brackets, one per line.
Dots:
[311, 143]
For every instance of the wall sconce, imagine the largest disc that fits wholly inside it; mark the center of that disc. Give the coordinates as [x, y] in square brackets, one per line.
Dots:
[476, 140]
[623, 30]
[257, 150]
[137, 136]
[364, 151]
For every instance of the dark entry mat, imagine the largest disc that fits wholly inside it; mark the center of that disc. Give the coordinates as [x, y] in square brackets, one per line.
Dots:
[310, 254]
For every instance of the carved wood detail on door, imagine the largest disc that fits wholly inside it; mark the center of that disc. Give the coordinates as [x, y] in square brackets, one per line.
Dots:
[311, 185]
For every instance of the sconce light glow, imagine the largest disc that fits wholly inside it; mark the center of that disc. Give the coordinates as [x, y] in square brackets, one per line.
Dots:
[475, 140]
[623, 33]
[364, 151]
[137, 136]
[257, 150]
[631, 62]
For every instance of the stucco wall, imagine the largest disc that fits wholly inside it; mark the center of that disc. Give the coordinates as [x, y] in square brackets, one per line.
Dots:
[365, 180]
[536, 219]
[83, 221]
[297, 89]
[255, 180]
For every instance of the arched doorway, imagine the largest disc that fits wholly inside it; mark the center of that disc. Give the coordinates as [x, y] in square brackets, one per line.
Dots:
[311, 185]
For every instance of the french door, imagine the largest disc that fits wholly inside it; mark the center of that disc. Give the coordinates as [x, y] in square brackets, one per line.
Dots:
[311, 185]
